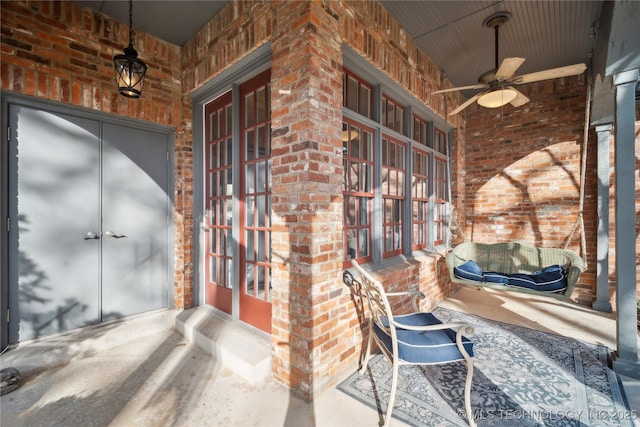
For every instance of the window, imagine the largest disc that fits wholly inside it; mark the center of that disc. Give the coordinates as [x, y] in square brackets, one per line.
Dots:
[439, 142]
[392, 115]
[420, 131]
[357, 95]
[395, 170]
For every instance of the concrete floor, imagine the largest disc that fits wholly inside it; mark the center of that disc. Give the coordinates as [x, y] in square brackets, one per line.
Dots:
[141, 372]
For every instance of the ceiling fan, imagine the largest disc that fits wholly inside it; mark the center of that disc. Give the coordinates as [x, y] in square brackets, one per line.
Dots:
[499, 82]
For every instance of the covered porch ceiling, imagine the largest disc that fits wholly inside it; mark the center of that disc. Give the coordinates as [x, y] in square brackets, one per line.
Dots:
[547, 34]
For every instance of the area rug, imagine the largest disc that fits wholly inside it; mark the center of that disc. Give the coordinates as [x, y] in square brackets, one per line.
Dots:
[522, 377]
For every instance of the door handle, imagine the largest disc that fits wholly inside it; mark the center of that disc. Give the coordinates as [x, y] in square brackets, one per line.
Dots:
[91, 236]
[113, 234]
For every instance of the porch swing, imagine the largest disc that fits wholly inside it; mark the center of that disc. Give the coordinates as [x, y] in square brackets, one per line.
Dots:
[517, 267]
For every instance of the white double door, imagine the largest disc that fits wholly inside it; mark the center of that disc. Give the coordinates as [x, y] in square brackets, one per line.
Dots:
[89, 221]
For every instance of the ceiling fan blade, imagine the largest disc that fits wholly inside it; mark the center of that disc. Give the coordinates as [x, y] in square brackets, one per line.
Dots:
[508, 67]
[553, 73]
[520, 98]
[467, 103]
[454, 89]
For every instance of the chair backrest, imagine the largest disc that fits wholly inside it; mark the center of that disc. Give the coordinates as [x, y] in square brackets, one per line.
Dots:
[379, 307]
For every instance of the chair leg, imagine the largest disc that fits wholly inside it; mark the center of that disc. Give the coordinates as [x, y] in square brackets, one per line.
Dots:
[392, 394]
[365, 362]
[467, 393]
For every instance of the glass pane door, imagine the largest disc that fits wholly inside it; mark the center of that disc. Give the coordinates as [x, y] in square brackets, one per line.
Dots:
[218, 199]
[255, 295]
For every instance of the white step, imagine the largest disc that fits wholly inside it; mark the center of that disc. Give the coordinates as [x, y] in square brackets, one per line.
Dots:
[236, 346]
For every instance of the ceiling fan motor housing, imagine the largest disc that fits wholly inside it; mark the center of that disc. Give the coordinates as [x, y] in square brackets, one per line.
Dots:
[496, 19]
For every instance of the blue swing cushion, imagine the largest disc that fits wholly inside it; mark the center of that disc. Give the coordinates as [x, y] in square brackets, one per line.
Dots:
[427, 347]
[549, 279]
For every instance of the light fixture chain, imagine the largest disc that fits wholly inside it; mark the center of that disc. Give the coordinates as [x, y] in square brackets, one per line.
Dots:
[131, 22]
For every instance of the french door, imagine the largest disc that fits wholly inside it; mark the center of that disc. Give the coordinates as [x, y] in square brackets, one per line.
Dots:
[89, 210]
[237, 211]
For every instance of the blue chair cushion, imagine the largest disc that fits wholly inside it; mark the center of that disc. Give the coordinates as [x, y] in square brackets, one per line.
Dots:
[424, 347]
[469, 270]
[549, 279]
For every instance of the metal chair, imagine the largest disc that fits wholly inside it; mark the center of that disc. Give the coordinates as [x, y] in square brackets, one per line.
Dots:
[418, 338]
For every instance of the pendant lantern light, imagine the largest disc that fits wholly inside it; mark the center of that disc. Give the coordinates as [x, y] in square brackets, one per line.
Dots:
[129, 69]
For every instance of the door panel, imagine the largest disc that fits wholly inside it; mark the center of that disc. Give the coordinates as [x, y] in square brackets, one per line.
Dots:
[255, 218]
[219, 202]
[54, 174]
[134, 221]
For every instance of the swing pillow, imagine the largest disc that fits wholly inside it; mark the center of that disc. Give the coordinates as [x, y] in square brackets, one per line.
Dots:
[549, 279]
[469, 270]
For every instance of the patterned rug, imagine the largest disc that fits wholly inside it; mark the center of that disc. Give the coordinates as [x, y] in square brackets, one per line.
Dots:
[522, 377]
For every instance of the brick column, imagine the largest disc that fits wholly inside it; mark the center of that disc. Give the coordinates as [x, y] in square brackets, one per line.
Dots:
[306, 192]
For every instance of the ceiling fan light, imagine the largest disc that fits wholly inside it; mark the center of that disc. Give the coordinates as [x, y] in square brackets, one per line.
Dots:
[497, 98]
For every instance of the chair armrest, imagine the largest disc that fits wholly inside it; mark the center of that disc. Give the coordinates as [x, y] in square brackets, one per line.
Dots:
[465, 327]
[415, 295]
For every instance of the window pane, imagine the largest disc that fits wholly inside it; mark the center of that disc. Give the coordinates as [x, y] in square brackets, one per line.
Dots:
[250, 144]
[249, 177]
[367, 146]
[260, 246]
[367, 178]
[385, 155]
[229, 116]
[249, 289]
[365, 101]
[352, 94]
[364, 210]
[261, 177]
[229, 212]
[364, 242]
[260, 282]
[213, 184]
[353, 177]
[351, 210]
[262, 141]
[212, 269]
[250, 247]
[352, 244]
[392, 154]
[250, 211]
[261, 95]
[249, 110]
[262, 213]
[213, 126]
[229, 266]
